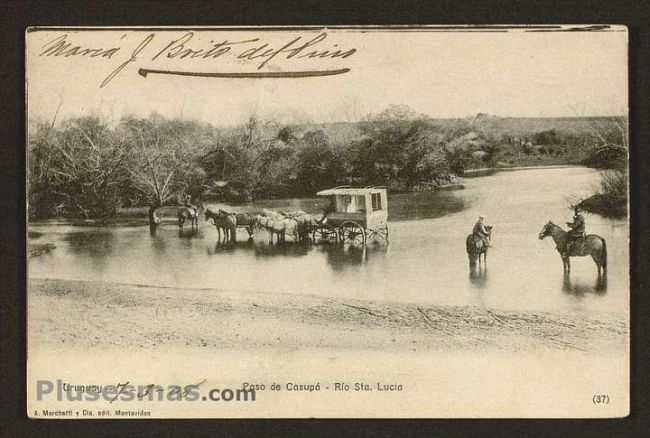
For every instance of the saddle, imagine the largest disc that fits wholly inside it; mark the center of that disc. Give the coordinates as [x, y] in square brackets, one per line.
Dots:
[192, 210]
[578, 238]
[577, 243]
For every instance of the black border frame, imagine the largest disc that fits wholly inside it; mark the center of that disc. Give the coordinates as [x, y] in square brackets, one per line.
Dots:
[19, 15]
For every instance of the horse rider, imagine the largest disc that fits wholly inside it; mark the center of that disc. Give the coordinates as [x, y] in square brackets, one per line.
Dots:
[188, 204]
[576, 232]
[482, 232]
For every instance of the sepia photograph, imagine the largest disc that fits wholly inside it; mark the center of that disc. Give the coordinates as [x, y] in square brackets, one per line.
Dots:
[328, 222]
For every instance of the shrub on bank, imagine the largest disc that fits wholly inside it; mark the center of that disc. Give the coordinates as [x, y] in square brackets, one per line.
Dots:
[610, 199]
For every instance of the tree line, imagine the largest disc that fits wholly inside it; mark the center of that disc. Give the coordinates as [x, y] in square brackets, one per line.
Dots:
[88, 167]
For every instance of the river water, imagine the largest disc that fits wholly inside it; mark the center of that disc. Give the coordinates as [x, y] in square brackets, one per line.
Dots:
[425, 261]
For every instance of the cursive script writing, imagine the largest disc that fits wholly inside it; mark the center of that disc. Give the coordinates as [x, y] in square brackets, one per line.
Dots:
[255, 50]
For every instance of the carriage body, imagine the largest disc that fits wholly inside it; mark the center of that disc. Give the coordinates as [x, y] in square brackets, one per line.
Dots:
[357, 214]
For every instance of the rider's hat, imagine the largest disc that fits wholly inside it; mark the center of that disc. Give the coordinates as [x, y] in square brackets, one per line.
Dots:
[481, 216]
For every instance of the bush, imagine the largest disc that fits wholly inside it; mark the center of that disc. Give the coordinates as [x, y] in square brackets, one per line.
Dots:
[610, 199]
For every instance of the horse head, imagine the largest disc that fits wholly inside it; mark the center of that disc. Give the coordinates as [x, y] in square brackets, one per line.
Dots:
[257, 221]
[546, 230]
[260, 221]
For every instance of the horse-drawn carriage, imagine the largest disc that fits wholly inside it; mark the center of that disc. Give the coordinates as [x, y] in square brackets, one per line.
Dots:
[354, 216]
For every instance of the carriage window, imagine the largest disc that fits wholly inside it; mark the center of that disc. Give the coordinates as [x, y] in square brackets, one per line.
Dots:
[346, 204]
[376, 201]
[361, 203]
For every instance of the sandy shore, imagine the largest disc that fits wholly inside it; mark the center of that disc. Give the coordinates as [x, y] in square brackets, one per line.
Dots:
[82, 314]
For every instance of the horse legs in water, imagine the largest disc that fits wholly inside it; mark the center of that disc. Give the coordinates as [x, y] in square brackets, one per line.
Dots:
[484, 254]
[601, 258]
[592, 245]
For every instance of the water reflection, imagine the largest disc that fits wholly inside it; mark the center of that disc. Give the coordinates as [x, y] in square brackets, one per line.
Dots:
[478, 277]
[340, 257]
[288, 249]
[188, 233]
[94, 244]
[190, 238]
[94, 248]
[222, 247]
[423, 205]
[578, 289]
[427, 261]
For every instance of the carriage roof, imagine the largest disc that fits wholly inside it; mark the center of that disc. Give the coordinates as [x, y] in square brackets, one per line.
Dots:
[351, 191]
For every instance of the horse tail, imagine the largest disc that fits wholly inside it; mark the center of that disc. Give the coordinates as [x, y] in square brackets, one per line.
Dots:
[471, 250]
[604, 253]
[469, 243]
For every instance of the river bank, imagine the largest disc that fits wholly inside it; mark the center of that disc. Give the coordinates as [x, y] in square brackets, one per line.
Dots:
[100, 315]
[486, 170]
[134, 216]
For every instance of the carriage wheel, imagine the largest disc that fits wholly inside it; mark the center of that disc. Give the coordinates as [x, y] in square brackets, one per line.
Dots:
[381, 234]
[352, 233]
[325, 234]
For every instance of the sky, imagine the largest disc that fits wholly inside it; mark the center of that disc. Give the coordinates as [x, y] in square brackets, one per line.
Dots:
[440, 74]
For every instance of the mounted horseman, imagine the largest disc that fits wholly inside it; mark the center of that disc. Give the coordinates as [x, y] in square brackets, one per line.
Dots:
[483, 231]
[575, 243]
[478, 242]
[576, 231]
[188, 211]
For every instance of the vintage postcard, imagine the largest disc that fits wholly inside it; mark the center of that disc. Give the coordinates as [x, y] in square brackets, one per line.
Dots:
[328, 222]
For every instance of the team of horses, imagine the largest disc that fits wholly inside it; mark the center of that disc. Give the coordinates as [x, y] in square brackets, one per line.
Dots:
[297, 224]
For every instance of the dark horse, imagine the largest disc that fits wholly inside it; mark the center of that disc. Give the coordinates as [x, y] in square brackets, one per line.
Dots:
[244, 220]
[225, 222]
[475, 247]
[192, 213]
[591, 245]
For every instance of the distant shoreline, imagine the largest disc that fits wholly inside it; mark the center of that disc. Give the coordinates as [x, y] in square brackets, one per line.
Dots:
[498, 169]
[134, 214]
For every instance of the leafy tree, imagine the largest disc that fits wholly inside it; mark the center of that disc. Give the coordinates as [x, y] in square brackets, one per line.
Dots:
[318, 164]
[76, 170]
[242, 163]
[163, 159]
